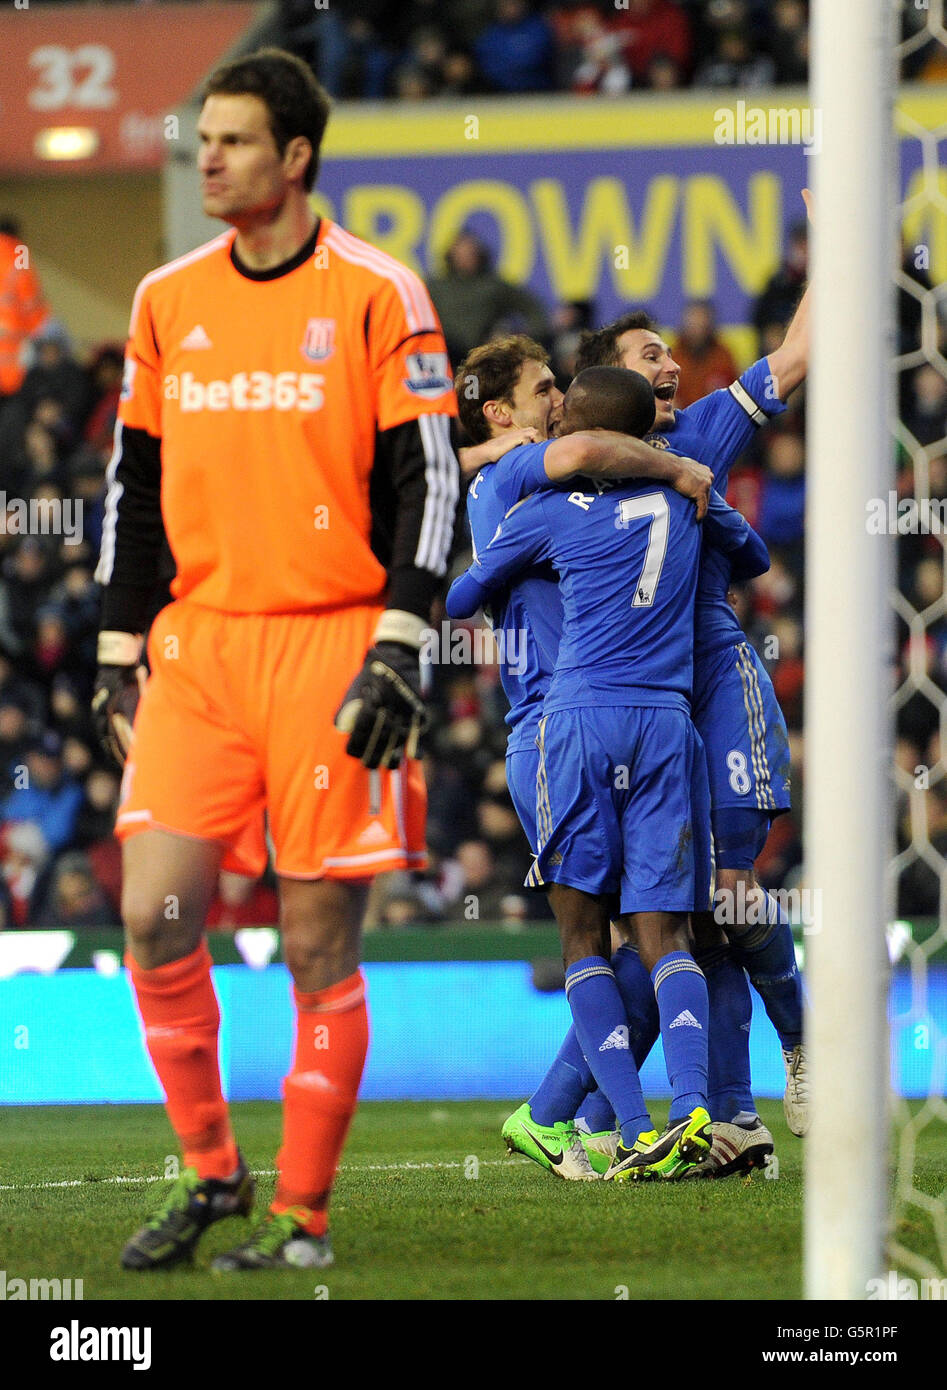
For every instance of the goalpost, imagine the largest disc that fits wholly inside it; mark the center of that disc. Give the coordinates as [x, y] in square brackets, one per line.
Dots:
[849, 642]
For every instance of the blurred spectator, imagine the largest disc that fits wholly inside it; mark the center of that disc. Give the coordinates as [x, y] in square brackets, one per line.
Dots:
[15, 731]
[516, 53]
[27, 573]
[705, 360]
[926, 412]
[475, 890]
[15, 690]
[105, 385]
[789, 40]
[351, 44]
[23, 309]
[788, 674]
[783, 499]
[459, 75]
[568, 323]
[919, 887]
[57, 377]
[96, 819]
[651, 29]
[475, 304]
[74, 897]
[664, 73]
[45, 795]
[734, 62]
[595, 54]
[242, 902]
[24, 863]
[779, 300]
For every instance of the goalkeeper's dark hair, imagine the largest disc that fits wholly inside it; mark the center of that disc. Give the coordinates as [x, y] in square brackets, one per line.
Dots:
[490, 373]
[610, 398]
[296, 102]
[598, 347]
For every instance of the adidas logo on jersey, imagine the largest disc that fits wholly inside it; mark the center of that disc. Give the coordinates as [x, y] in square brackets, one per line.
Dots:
[197, 338]
[685, 1019]
[618, 1037]
[374, 834]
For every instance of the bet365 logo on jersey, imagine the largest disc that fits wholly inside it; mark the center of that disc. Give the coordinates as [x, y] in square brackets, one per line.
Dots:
[248, 391]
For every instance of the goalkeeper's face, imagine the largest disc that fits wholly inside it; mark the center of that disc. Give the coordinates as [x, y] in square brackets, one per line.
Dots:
[244, 178]
[646, 352]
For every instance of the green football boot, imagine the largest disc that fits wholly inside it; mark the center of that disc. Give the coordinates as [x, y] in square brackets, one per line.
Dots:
[169, 1237]
[600, 1148]
[669, 1156]
[279, 1242]
[555, 1147]
[621, 1165]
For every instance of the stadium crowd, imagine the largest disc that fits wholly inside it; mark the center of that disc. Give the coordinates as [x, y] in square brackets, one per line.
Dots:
[60, 864]
[413, 50]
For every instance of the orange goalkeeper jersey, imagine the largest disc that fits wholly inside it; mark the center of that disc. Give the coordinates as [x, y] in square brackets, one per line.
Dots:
[268, 392]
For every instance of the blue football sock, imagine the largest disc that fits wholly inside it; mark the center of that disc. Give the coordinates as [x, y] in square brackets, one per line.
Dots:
[565, 1085]
[767, 953]
[596, 1112]
[601, 1025]
[641, 1008]
[637, 991]
[681, 992]
[728, 1038]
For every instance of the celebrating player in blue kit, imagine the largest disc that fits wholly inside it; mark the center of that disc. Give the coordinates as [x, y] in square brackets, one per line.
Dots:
[737, 715]
[506, 392]
[622, 802]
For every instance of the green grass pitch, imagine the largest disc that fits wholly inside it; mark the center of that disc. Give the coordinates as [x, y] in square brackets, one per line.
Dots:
[427, 1206]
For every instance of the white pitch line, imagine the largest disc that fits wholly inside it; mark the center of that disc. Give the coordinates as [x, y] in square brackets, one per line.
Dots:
[258, 1173]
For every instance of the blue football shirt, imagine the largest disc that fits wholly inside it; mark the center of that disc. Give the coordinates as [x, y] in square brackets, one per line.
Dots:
[627, 558]
[715, 430]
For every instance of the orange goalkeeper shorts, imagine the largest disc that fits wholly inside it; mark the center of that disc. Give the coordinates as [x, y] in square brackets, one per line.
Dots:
[237, 719]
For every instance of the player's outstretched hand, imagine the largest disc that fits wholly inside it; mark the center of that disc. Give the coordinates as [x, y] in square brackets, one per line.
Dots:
[119, 682]
[383, 712]
[694, 480]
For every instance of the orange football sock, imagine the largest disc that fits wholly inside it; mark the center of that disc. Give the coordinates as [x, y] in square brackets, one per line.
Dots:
[319, 1096]
[181, 1019]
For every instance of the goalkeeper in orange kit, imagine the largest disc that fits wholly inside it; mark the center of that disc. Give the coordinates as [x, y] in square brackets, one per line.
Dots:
[285, 422]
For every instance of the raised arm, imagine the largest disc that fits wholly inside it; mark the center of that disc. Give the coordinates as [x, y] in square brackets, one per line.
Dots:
[789, 363]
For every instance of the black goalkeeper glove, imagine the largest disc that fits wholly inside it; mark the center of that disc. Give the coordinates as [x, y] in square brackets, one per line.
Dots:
[118, 686]
[383, 711]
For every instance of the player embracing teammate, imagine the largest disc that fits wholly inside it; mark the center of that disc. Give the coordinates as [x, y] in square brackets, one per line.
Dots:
[743, 729]
[285, 423]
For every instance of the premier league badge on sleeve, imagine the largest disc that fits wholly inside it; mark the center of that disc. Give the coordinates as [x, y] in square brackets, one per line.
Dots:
[428, 374]
[319, 339]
